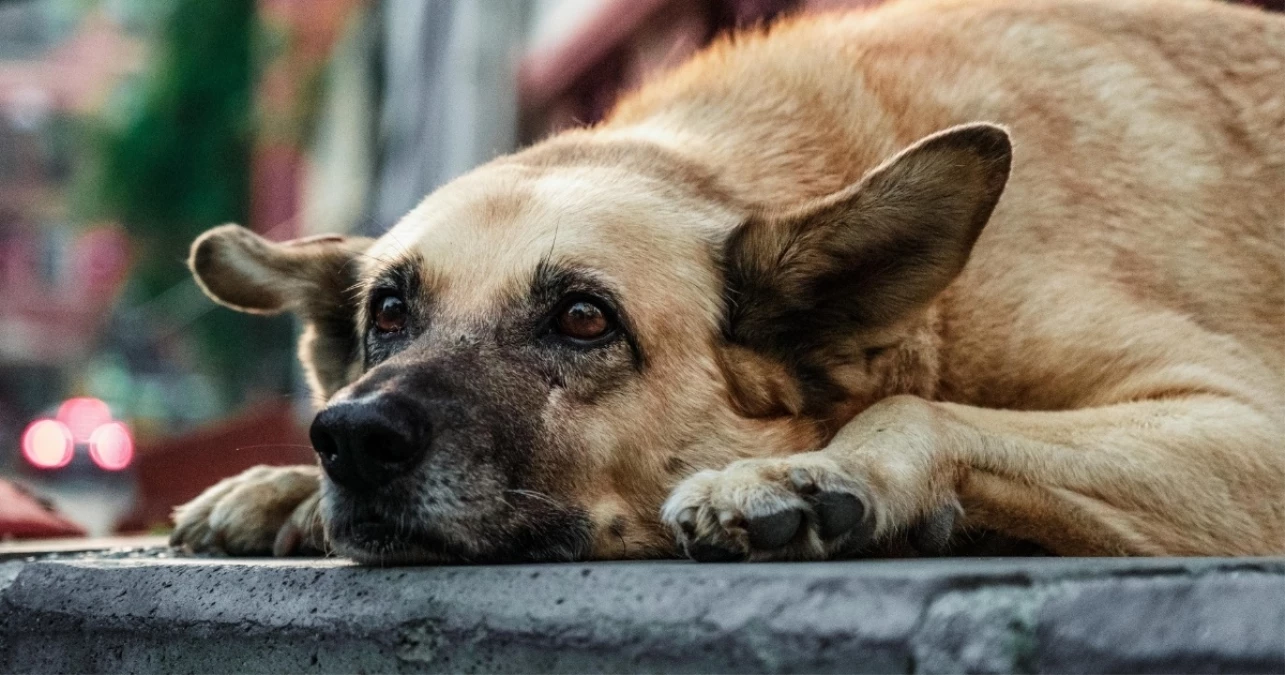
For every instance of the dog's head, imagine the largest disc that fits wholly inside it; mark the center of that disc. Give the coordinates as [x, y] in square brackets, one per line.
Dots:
[526, 365]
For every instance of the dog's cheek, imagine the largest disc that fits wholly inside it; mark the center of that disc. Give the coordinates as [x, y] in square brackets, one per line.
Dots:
[583, 377]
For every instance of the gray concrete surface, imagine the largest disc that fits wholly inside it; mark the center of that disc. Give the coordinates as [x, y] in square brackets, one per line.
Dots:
[138, 613]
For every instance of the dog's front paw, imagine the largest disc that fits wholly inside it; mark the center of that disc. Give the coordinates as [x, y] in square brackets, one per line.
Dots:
[804, 507]
[265, 510]
[798, 508]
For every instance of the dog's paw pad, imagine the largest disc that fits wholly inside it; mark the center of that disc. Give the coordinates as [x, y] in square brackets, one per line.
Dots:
[838, 509]
[774, 530]
[770, 509]
[931, 536]
[838, 513]
[706, 551]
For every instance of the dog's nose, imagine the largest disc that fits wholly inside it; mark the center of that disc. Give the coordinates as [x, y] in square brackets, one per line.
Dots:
[365, 444]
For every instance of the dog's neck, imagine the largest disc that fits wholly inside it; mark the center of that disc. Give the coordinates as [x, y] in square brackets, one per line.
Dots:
[910, 365]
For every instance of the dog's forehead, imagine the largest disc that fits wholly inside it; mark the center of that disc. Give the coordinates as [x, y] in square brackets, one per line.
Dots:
[481, 238]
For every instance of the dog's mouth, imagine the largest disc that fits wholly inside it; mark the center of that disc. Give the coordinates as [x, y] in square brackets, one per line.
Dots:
[377, 539]
[370, 539]
[378, 536]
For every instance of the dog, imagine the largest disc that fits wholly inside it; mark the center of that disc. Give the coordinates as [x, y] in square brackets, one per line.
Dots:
[889, 282]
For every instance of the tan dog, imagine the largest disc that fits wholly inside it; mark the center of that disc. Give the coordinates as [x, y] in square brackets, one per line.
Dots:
[755, 314]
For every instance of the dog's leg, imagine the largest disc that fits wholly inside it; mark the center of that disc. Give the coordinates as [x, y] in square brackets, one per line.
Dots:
[264, 510]
[1194, 475]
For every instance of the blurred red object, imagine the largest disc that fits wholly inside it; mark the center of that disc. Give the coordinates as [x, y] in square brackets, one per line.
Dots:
[176, 469]
[23, 516]
[112, 447]
[101, 259]
[48, 444]
[83, 415]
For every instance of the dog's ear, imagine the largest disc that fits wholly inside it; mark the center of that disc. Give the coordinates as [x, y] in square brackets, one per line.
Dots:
[246, 272]
[311, 277]
[866, 257]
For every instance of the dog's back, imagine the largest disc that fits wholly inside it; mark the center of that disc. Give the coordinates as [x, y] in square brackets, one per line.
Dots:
[1144, 223]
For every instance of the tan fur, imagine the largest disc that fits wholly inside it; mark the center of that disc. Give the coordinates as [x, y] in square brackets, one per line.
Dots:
[265, 509]
[1105, 376]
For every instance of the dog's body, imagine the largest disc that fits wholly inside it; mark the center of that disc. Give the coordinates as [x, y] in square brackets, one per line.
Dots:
[812, 373]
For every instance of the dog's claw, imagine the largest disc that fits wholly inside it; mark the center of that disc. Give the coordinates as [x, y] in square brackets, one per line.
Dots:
[687, 521]
[803, 481]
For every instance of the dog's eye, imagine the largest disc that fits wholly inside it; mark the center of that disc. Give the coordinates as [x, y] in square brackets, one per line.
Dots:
[583, 320]
[390, 314]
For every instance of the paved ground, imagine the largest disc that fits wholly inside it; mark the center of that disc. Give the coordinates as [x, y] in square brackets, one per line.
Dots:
[134, 611]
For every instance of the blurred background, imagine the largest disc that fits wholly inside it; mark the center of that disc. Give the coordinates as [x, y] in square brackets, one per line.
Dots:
[128, 127]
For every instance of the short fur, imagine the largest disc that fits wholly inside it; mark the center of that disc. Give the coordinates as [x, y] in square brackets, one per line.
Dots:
[856, 317]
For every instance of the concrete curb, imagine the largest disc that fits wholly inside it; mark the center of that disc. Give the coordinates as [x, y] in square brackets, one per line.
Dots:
[96, 614]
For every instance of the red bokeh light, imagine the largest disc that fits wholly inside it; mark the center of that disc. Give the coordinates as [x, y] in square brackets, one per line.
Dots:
[48, 444]
[83, 415]
[111, 446]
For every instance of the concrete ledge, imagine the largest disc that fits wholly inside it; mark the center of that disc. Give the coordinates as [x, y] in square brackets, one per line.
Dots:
[143, 614]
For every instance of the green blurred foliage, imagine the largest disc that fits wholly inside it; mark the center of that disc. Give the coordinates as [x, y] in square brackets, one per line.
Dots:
[178, 163]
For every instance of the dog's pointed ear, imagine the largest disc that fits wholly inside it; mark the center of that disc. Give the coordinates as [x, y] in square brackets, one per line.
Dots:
[246, 272]
[312, 277]
[866, 257]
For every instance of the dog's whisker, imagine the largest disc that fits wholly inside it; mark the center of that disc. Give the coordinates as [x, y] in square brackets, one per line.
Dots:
[538, 496]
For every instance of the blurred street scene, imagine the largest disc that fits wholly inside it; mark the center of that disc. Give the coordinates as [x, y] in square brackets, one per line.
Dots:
[128, 127]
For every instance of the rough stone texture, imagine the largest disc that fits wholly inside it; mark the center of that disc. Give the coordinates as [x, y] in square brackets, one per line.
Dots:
[144, 614]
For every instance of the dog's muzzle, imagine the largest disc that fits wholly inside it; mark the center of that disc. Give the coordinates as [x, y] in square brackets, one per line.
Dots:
[431, 461]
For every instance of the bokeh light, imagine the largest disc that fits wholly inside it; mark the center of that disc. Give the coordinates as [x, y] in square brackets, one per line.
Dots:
[83, 415]
[48, 444]
[111, 446]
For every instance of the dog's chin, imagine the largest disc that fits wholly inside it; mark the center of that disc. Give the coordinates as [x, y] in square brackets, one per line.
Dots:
[379, 543]
[384, 532]
[398, 552]
[382, 544]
